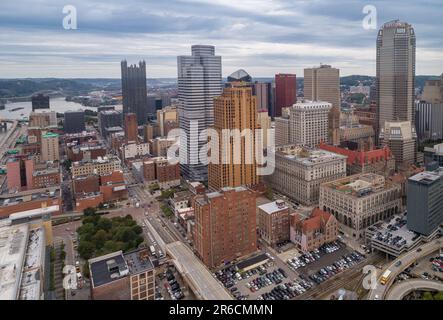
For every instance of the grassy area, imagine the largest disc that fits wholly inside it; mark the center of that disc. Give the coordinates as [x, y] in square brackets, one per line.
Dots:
[432, 296]
[167, 212]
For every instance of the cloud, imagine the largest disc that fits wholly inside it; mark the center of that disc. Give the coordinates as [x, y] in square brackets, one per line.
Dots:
[262, 36]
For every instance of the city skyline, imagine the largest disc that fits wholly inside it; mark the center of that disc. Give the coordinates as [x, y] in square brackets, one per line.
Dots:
[262, 37]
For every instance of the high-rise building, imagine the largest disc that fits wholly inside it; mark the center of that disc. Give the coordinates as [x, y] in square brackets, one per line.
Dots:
[262, 90]
[131, 127]
[401, 138]
[40, 101]
[395, 73]
[74, 121]
[167, 118]
[308, 123]
[429, 111]
[50, 147]
[109, 119]
[323, 84]
[42, 118]
[19, 173]
[425, 201]
[285, 92]
[134, 90]
[199, 81]
[264, 122]
[234, 110]
[225, 225]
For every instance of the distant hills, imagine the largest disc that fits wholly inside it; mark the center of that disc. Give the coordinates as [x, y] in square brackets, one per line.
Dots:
[24, 88]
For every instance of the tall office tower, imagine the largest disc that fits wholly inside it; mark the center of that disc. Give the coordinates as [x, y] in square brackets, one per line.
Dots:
[262, 90]
[49, 147]
[134, 90]
[395, 73]
[285, 92]
[74, 121]
[199, 81]
[40, 101]
[425, 201]
[401, 138]
[429, 111]
[42, 118]
[131, 128]
[235, 109]
[264, 121]
[225, 225]
[323, 84]
[308, 123]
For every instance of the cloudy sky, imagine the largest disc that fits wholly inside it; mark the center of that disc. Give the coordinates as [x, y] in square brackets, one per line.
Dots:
[262, 36]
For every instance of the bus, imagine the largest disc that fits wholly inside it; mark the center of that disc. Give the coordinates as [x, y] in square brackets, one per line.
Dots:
[152, 249]
[385, 277]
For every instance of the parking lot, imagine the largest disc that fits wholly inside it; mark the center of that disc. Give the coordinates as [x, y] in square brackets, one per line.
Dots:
[284, 280]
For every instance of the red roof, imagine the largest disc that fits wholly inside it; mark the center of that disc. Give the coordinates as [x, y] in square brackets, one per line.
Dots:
[361, 157]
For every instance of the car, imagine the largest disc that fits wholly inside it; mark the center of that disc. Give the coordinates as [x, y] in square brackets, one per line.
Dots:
[419, 249]
[398, 264]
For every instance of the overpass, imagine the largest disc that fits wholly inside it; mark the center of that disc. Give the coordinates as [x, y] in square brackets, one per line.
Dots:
[405, 261]
[400, 290]
[195, 273]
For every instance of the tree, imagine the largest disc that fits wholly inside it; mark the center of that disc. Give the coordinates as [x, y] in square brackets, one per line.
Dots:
[86, 249]
[99, 238]
[89, 211]
[137, 229]
[104, 224]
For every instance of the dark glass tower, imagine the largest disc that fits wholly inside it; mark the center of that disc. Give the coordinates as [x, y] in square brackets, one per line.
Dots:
[134, 90]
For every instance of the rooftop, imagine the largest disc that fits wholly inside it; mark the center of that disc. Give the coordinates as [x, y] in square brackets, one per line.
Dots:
[30, 195]
[138, 261]
[428, 177]
[359, 185]
[307, 156]
[275, 206]
[108, 268]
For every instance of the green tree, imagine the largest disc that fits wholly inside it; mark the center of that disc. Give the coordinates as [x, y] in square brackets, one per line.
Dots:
[89, 211]
[137, 229]
[86, 249]
[99, 238]
[104, 224]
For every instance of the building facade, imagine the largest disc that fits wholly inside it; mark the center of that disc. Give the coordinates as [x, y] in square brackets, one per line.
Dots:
[273, 222]
[235, 165]
[134, 90]
[74, 121]
[300, 171]
[285, 92]
[225, 225]
[425, 201]
[360, 200]
[199, 81]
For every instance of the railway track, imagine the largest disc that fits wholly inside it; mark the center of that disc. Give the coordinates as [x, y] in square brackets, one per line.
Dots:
[341, 280]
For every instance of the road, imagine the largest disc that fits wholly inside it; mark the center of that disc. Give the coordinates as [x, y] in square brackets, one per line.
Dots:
[406, 260]
[400, 290]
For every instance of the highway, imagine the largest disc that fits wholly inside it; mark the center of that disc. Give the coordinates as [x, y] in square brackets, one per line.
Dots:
[400, 290]
[406, 260]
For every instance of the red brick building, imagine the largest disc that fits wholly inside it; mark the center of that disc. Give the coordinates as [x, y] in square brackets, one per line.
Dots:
[86, 184]
[285, 92]
[380, 161]
[225, 225]
[46, 178]
[131, 127]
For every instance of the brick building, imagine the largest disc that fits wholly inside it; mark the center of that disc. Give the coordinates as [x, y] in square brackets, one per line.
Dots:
[273, 222]
[225, 225]
[309, 232]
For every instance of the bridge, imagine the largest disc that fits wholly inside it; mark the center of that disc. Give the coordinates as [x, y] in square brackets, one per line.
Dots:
[400, 264]
[400, 290]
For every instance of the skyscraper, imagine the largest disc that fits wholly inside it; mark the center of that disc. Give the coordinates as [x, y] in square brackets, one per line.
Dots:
[74, 121]
[285, 92]
[134, 90]
[235, 109]
[323, 84]
[395, 73]
[131, 128]
[199, 81]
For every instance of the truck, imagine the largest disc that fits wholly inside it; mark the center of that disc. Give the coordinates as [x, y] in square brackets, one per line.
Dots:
[152, 249]
[385, 277]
